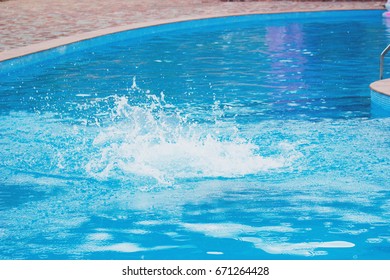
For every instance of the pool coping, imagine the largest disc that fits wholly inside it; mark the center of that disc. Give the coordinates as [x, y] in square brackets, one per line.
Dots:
[381, 86]
[62, 41]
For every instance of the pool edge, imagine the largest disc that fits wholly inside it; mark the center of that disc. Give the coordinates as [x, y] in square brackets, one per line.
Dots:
[63, 41]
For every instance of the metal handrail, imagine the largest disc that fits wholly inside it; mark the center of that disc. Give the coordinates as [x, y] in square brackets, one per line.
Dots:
[382, 59]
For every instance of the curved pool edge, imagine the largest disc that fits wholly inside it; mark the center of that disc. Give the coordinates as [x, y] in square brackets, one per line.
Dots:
[59, 42]
[11, 54]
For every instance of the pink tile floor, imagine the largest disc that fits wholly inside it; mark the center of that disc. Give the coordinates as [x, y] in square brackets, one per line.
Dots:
[26, 23]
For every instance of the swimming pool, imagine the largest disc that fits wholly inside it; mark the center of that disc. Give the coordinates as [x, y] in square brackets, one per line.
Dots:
[234, 138]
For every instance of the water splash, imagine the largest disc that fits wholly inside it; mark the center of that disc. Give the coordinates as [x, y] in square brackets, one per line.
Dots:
[156, 140]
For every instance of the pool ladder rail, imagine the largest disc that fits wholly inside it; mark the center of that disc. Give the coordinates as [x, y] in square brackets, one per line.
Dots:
[382, 61]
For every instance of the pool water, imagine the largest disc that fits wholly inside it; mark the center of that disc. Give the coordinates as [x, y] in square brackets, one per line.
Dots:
[236, 138]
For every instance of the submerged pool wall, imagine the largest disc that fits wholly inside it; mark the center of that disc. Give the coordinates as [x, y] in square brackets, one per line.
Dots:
[380, 105]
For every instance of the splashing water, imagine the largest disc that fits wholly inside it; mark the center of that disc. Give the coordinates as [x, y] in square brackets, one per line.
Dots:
[157, 140]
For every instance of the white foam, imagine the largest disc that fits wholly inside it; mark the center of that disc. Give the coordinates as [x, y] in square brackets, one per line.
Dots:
[374, 240]
[231, 230]
[301, 249]
[137, 231]
[155, 140]
[214, 253]
[124, 247]
[99, 236]
[261, 239]
[119, 247]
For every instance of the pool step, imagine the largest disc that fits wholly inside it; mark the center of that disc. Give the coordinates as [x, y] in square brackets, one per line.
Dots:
[380, 98]
[381, 86]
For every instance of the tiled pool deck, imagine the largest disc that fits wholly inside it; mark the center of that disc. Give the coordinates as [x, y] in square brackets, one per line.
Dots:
[31, 25]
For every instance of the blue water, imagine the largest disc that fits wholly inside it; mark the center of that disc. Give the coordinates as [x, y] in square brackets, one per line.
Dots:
[236, 138]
